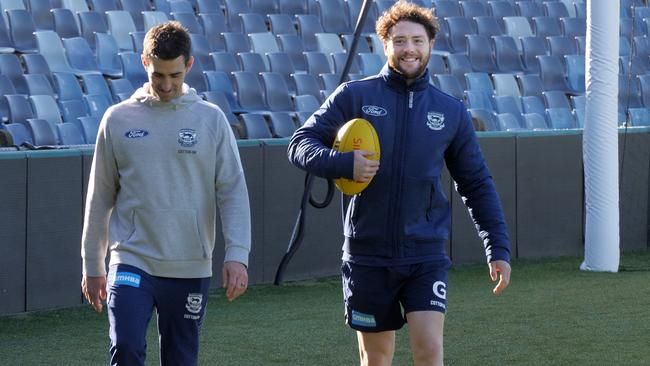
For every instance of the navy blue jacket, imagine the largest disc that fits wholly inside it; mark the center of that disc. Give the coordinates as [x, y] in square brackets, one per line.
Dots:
[403, 216]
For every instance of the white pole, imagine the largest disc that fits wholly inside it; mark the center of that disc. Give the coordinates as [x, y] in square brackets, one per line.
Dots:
[600, 138]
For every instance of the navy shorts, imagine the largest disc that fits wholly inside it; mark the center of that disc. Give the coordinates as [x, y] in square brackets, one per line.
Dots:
[377, 298]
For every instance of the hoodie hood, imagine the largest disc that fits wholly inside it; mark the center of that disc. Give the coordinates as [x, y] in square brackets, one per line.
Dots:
[143, 95]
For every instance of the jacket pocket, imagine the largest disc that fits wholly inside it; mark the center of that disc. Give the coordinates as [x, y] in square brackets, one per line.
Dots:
[425, 210]
[168, 235]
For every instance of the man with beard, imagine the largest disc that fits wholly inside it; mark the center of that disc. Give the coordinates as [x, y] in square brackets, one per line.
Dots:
[394, 262]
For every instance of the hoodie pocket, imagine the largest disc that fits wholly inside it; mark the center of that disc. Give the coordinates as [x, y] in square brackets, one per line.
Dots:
[168, 235]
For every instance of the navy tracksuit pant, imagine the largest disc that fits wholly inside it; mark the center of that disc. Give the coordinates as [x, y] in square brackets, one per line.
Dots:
[180, 306]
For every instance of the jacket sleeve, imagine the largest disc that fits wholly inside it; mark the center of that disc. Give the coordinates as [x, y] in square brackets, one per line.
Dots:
[310, 147]
[103, 185]
[475, 185]
[232, 196]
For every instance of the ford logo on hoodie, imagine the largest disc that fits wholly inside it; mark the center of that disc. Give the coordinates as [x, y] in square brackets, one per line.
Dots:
[373, 110]
[136, 134]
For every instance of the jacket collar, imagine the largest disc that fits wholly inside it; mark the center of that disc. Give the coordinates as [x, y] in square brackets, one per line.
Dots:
[396, 81]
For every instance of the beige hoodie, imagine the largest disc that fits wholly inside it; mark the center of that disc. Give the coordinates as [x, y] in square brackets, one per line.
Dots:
[159, 172]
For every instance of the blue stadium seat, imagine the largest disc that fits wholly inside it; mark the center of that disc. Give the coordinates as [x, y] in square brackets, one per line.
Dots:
[213, 25]
[108, 58]
[535, 122]
[354, 9]
[11, 68]
[531, 48]
[330, 81]
[194, 77]
[281, 63]
[506, 84]
[6, 87]
[506, 55]
[72, 109]
[264, 6]
[132, 68]
[95, 84]
[293, 46]
[561, 46]
[578, 101]
[180, 6]
[318, 63]
[236, 42]
[555, 9]
[253, 62]
[80, 55]
[201, 50]
[120, 24]
[219, 98]
[479, 100]
[488, 118]
[21, 29]
[52, 49]
[436, 65]
[556, 99]
[263, 43]
[19, 108]
[629, 93]
[65, 23]
[37, 84]
[135, 8]
[219, 81]
[209, 7]
[6, 44]
[552, 72]
[340, 58]
[330, 15]
[67, 86]
[575, 66]
[446, 8]
[255, 126]
[189, 21]
[508, 122]
[574, 27]
[308, 26]
[480, 54]
[362, 43]
[20, 133]
[546, 26]
[89, 126]
[560, 118]
[479, 81]
[488, 26]
[162, 5]
[152, 18]
[137, 41]
[510, 105]
[292, 7]
[533, 104]
[40, 10]
[282, 124]
[639, 116]
[281, 24]
[233, 8]
[644, 84]
[97, 104]
[253, 23]
[69, 134]
[121, 89]
[371, 63]
[459, 65]
[225, 61]
[249, 91]
[473, 9]
[450, 85]
[91, 22]
[306, 103]
[517, 27]
[500, 9]
[102, 6]
[529, 9]
[42, 131]
[459, 28]
[307, 84]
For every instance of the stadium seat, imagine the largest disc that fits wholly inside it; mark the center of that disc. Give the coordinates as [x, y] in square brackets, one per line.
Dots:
[479, 81]
[340, 58]
[574, 27]
[639, 116]
[446, 8]
[132, 68]
[478, 100]
[80, 55]
[459, 65]
[506, 84]
[575, 66]
[459, 28]
[546, 26]
[120, 87]
[6, 87]
[436, 65]
[42, 132]
[508, 122]
[253, 62]
[556, 99]
[499, 9]
[11, 68]
[488, 26]
[263, 43]
[292, 45]
[624, 47]
[533, 104]
[21, 29]
[45, 107]
[479, 55]
[561, 46]
[318, 63]
[555, 9]
[120, 24]
[69, 134]
[354, 9]
[281, 63]
[307, 84]
[292, 7]
[6, 44]
[102, 6]
[151, 18]
[75, 5]
[97, 104]
[253, 23]
[95, 84]
[236, 42]
[560, 118]
[67, 86]
[644, 84]
[629, 93]
[281, 24]
[89, 126]
[578, 101]
[552, 72]
[308, 26]
[306, 103]
[255, 126]
[218, 98]
[362, 43]
[219, 81]
[488, 118]
[194, 77]
[517, 27]
[506, 55]
[65, 23]
[510, 105]
[107, 53]
[72, 109]
[91, 22]
[282, 124]
[209, 6]
[201, 50]
[52, 49]
[137, 41]
[37, 84]
[20, 133]
[535, 122]
[249, 91]
[529, 9]
[189, 21]
[328, 43]
[330, 81]
[303, 117]
[264, 6]
[331, 16]
[631, 65]
[531, 48]
[19, 108]
[450, 85]
[40, 10]
[214, 24]
[136, 8]
[473, 9]
[162, 5]
[371, 63]
[225, 61]
[233, 8]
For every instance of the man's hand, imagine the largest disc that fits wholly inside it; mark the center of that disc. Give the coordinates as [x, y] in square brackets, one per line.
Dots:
[501, 268]
[235, 279]
[364, 168]
[94, 290]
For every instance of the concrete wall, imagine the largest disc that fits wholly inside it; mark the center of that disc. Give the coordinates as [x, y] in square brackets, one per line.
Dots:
[538, 177]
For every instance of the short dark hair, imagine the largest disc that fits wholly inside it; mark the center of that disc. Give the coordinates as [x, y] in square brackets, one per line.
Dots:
[403, 10]
[167, 41]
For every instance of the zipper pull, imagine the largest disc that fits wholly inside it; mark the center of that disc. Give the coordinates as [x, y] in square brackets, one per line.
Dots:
[410, 100]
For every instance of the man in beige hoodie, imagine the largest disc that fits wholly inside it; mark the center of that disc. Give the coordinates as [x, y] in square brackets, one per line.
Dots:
[164, 162]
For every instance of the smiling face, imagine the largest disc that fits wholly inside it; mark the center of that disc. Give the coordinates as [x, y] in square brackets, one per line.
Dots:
[408, 49]
[166, 77]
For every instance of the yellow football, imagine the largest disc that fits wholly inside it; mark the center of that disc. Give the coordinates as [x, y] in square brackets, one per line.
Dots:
[356, 134]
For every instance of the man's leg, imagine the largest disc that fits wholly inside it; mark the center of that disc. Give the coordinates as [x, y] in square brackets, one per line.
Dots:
[376, 349]
[181, 307]
[425, 332]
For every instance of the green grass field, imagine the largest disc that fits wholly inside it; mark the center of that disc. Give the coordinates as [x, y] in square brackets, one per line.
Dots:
[552, 314]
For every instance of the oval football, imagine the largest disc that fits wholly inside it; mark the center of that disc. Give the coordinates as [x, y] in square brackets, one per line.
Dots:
[356, 134]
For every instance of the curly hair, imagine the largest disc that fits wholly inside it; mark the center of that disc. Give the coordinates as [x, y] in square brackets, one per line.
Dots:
[403, 10]
[167, 41]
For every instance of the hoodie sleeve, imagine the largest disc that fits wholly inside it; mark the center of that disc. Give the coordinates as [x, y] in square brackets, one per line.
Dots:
[475, 185]
[310, 147]
[232, 196]
[103, 185]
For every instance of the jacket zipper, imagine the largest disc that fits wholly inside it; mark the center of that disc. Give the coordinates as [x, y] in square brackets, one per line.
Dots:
[399, 250]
